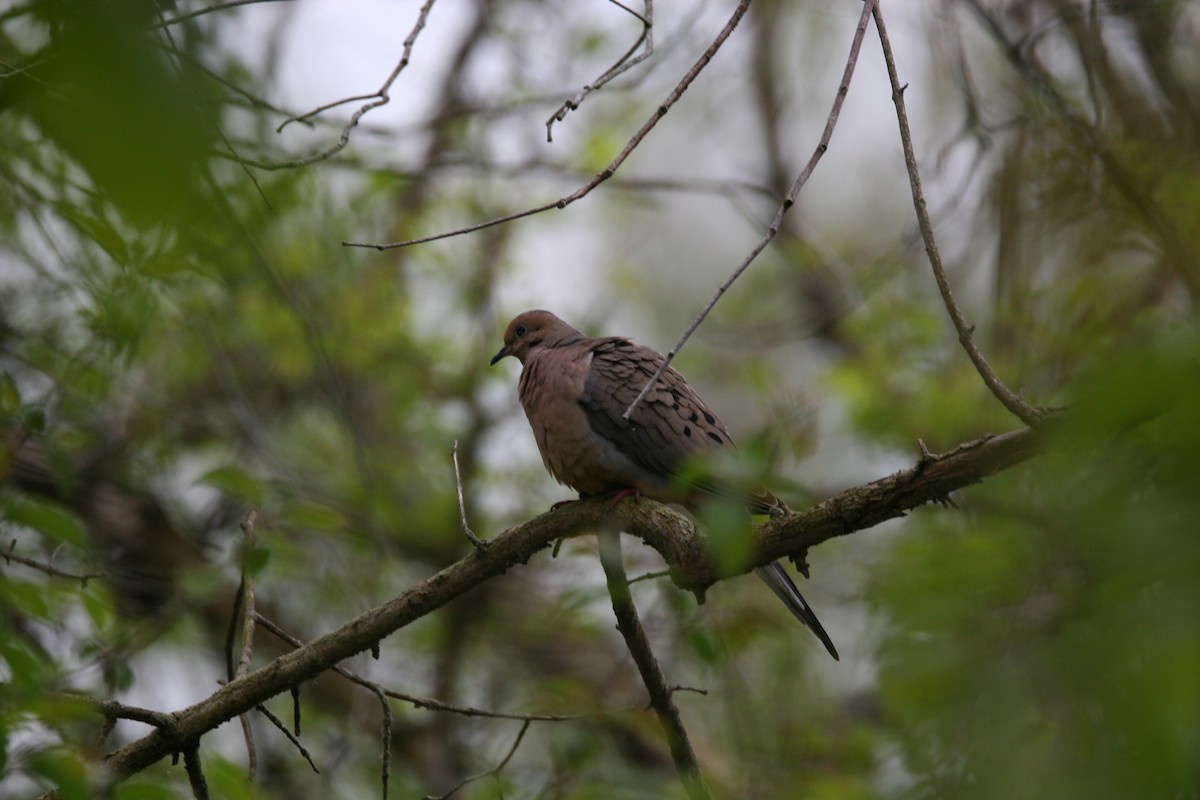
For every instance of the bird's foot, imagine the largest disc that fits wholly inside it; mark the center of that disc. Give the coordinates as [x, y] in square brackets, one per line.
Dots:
[800, 562]
[621, 494]
[562, 503]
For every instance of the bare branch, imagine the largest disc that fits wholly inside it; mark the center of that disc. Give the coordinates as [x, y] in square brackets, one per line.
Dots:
[294, 738]
[667, 531]
[661, 696]
[608, 171]
[163, 23]
[113, 710]
[380, 98]
[246, 595]
[248, 613]
[788, 202]
[427, 703]
[622, 65]
[10, 556]
[1013, 402]
[462, 507]
[191, 763]
[385, 736]
[494, 771]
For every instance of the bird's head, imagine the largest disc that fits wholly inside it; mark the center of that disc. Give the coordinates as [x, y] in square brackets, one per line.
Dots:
[531, 330]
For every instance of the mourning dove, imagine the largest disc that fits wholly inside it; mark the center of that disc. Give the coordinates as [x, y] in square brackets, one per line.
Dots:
[575, 389]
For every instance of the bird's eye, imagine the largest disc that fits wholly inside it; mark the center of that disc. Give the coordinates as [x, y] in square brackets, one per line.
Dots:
[520, 330]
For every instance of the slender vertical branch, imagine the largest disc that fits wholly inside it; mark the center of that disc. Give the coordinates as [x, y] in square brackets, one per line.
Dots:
[462, 506]
[246, 595]
[191, 763]
[661, 696]
[1025, 412]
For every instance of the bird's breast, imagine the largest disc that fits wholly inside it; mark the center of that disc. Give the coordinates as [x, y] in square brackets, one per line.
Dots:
[549, 390]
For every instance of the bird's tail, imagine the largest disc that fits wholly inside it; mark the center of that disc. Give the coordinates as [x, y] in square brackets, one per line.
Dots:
[775, 576]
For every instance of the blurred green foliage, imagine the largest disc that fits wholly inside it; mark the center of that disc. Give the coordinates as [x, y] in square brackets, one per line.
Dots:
[1048, 647]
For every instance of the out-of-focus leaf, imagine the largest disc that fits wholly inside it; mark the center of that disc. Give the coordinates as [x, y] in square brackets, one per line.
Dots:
[10, 396]
[27, 597]
[26, 667]
[46, 518]
[144, 787]
[235, 481]
[313, 516]
[65, 771]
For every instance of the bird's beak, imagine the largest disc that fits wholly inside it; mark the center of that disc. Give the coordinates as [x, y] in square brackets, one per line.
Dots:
[502, 354]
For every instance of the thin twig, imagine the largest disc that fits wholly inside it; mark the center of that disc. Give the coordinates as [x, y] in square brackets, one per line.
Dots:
[385, 735]
[1013, 402]
[649, 576]
[622, 65]
[462, 507]
[246, 592]
[661, 697]
[788, 202]
[608, 171]
[427, 703]
[51, 570]
[293, 738]
[111, 709]
[491, 773]
[381, 98]
[163, 23]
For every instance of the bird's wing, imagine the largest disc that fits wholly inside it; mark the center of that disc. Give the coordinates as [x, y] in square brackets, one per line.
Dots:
[670, 425]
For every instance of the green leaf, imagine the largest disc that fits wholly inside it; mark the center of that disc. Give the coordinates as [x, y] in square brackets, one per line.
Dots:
[727, 526]
[65, 771]
[258, 559]
[99, 606]
[26, 668]
[235, 481]
[98, 229]
[33, 417]
[118, 676]
[27, 597]
[141, 787]
[313, 516]
[48, 519]
[10, 396]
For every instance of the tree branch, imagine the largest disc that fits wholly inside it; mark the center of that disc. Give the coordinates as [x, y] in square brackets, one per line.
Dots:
[666, 530]
[788, 202]
[10, 556]
[661, 698]
[623, 64]
[607, 172]
[966, 333]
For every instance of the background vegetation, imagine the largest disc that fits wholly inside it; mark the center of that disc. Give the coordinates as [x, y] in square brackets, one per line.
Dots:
[183, 336]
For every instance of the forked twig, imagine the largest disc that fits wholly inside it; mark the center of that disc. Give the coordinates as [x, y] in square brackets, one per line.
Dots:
[608, 171]
[622, 65]
[491, 773]
[380, 98]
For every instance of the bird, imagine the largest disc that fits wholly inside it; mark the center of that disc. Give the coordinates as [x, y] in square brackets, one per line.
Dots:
[575, 389]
